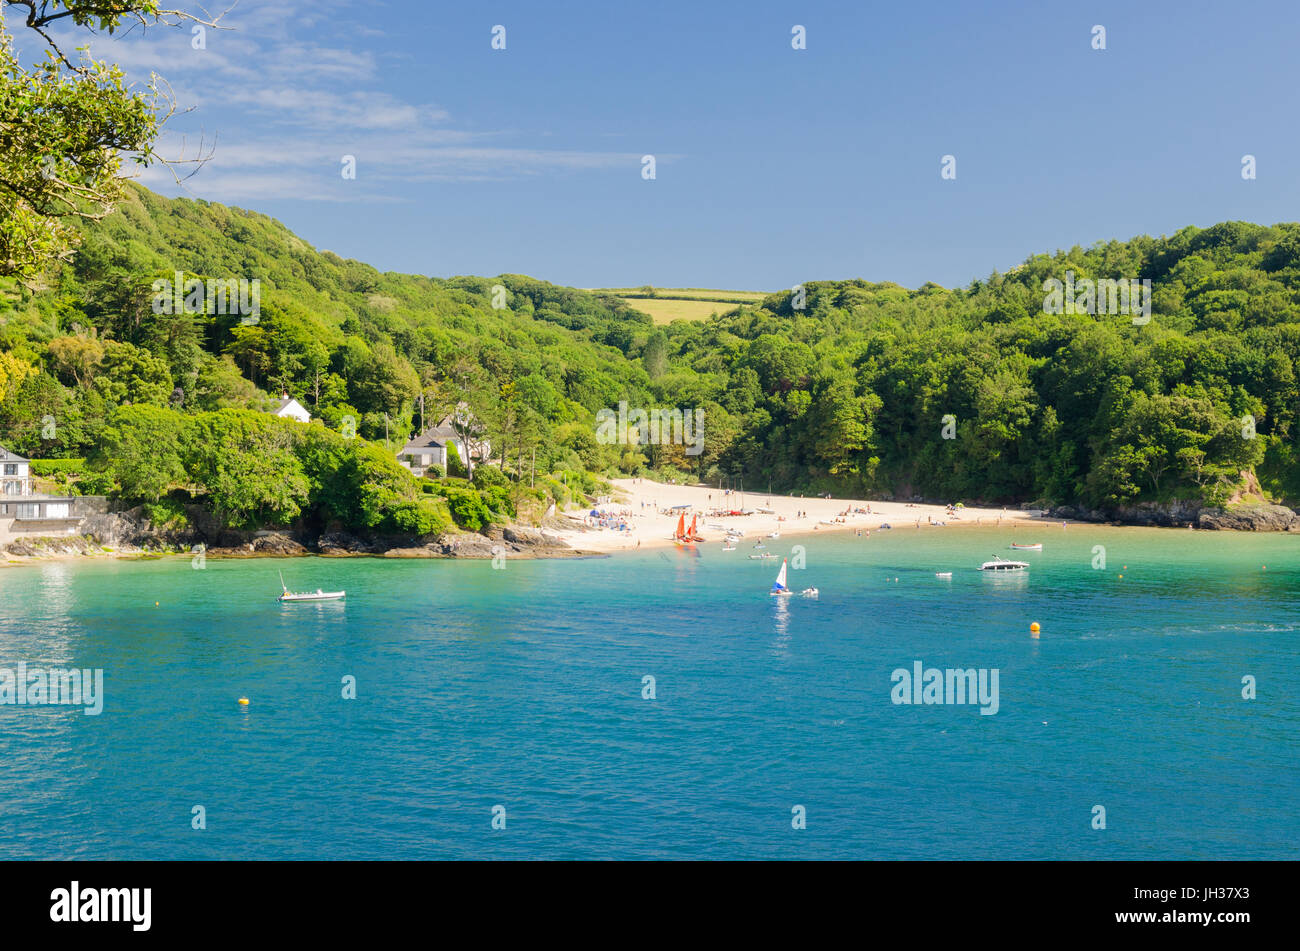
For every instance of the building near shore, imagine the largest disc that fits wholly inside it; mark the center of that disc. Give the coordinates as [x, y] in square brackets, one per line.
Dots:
[26, 512]
[429, 448]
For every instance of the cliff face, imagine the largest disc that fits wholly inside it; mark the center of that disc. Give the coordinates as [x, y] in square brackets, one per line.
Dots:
[1246, 517]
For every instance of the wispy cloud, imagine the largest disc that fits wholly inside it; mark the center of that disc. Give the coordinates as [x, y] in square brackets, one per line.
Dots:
[285, 110]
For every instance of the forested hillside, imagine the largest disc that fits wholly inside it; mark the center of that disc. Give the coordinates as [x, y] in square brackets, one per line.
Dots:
[853, 393]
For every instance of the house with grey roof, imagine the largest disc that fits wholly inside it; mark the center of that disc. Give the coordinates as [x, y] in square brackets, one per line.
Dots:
[429, 448]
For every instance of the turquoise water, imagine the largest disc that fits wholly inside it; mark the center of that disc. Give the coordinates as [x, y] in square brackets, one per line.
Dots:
[522, 688]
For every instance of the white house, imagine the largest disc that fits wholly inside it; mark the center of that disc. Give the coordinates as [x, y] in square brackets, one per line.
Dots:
[290, 408]
[15, 474]
[23, 511]
[429, 448]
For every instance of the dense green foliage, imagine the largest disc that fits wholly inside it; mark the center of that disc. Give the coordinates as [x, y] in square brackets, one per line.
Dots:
[255, 469]
[848, 394]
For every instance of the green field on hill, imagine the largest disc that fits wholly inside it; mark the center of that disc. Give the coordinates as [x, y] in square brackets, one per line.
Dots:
[666, 304]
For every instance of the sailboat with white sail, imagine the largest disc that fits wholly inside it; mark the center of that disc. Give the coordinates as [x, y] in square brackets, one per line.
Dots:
[781, 589]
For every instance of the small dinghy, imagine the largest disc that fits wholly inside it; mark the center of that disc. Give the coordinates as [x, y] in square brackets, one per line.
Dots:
[728, 547]
[943, 574]
[317, 595]
[809, 592]
[762, 557]
[1038, 547]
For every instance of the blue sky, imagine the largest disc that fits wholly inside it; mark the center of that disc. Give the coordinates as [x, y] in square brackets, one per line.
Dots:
[774, 166]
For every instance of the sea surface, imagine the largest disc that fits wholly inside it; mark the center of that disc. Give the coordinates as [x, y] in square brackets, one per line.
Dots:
[518, 697]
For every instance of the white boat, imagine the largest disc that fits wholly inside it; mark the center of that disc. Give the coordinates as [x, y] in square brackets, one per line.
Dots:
[728, 547]
[765, 555]
[1038, 547]
[1002, 564]
[775, 534]
[317, 595]
[943, 574]
[809, 592]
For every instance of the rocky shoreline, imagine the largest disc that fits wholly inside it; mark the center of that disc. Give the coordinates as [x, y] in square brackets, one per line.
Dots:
[1244, 517]
[130, 533]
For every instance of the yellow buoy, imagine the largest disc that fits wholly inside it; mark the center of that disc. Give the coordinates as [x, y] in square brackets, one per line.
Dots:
[243, 701]
[1033, 628]
[1121, 576]
[155, 604]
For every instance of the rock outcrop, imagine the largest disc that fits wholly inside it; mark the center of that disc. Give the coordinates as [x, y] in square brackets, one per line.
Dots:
[1251, 518]
[131, 532]
[1246, 517]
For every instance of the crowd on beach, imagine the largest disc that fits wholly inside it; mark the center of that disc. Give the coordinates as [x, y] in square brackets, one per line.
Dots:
[616, 521]
[645, 513]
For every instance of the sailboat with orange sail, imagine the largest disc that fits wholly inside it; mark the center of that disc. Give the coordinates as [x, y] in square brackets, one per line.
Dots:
[694, 535]
[684, 535]
[680, 537]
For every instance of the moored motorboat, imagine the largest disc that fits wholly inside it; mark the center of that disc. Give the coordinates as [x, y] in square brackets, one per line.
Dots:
[318, 595]
[1003, 564]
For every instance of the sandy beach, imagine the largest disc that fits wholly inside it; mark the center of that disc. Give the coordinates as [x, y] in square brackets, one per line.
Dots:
[649, 510]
